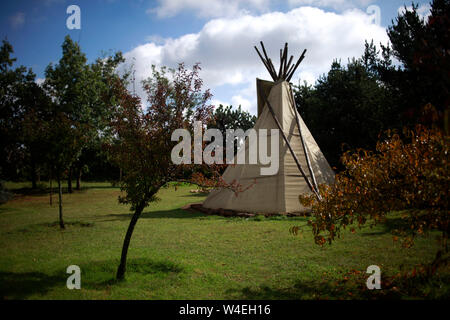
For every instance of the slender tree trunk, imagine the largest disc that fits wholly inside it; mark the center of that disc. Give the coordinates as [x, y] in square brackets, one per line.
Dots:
[51, 188]
[120, 175]
[33, 175]
[78, 187]
[123, 260]
[61, 221]
[69, 180]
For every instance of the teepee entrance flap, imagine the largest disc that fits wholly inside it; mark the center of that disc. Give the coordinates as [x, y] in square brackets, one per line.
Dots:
[263, 88]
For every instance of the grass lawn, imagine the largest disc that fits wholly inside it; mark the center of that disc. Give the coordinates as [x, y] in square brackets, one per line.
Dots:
[176, 254]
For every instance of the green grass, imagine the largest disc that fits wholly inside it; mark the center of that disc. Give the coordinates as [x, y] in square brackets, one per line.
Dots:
[176, 254]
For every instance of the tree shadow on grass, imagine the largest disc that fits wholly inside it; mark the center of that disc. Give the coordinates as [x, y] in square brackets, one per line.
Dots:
[45, 191]
[300, 290]
[95, 275]
[101, 274]
[18, 286]
[388, 226]
[33, 192]
[311, 290]
[175, 213]
[43, 227]
[353, 287]
[38, 192]
[4, 210]
[86, 188]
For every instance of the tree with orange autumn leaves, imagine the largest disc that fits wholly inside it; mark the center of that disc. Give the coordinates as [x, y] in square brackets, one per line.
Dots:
[408, 172]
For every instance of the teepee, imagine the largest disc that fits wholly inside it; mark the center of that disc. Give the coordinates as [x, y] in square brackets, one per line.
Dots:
[302, 166]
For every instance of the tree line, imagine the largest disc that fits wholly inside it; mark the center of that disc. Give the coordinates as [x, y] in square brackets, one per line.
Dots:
[78, 98]
[82, 119]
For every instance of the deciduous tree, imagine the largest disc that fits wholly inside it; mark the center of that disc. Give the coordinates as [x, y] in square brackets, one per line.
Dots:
[143, 146]
[407, 173]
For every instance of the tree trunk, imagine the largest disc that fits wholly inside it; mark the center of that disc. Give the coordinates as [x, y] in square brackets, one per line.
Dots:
[69, 181]
[51, 188]
[78, 187]
[33, 175]
[123, 260]
[61, 221]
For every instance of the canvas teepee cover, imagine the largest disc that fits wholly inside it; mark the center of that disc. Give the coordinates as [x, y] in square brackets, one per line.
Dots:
[276, 193]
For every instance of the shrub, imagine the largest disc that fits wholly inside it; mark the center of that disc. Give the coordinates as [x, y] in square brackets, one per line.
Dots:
[407, 173]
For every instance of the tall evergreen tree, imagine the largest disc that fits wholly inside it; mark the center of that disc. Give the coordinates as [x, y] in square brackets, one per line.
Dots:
[348, 107]
[423, 48]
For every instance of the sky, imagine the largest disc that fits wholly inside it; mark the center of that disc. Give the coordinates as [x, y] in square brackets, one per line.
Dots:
[219, 34]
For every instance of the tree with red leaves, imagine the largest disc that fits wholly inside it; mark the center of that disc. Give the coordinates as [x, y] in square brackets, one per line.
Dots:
[143, 139]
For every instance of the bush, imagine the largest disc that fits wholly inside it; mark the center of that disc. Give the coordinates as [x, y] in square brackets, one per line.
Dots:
[407, 172]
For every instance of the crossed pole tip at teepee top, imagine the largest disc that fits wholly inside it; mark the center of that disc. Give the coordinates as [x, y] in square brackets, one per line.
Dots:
[286, 70]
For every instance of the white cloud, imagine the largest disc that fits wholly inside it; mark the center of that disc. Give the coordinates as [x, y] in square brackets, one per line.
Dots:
[157, 39]
[217, 102]
[229, 62]
[17, 20]
[334, 4]
[308, 77]
[245, 104]
[424, 11]
[210, 8]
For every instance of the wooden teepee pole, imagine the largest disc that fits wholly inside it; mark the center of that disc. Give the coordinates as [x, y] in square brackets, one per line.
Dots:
[266, 64]
[291, 72]
[297, 119]
[285, 70]
[292, 151]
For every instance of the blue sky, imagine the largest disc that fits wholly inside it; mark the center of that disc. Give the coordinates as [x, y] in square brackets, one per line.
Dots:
[217, 33]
